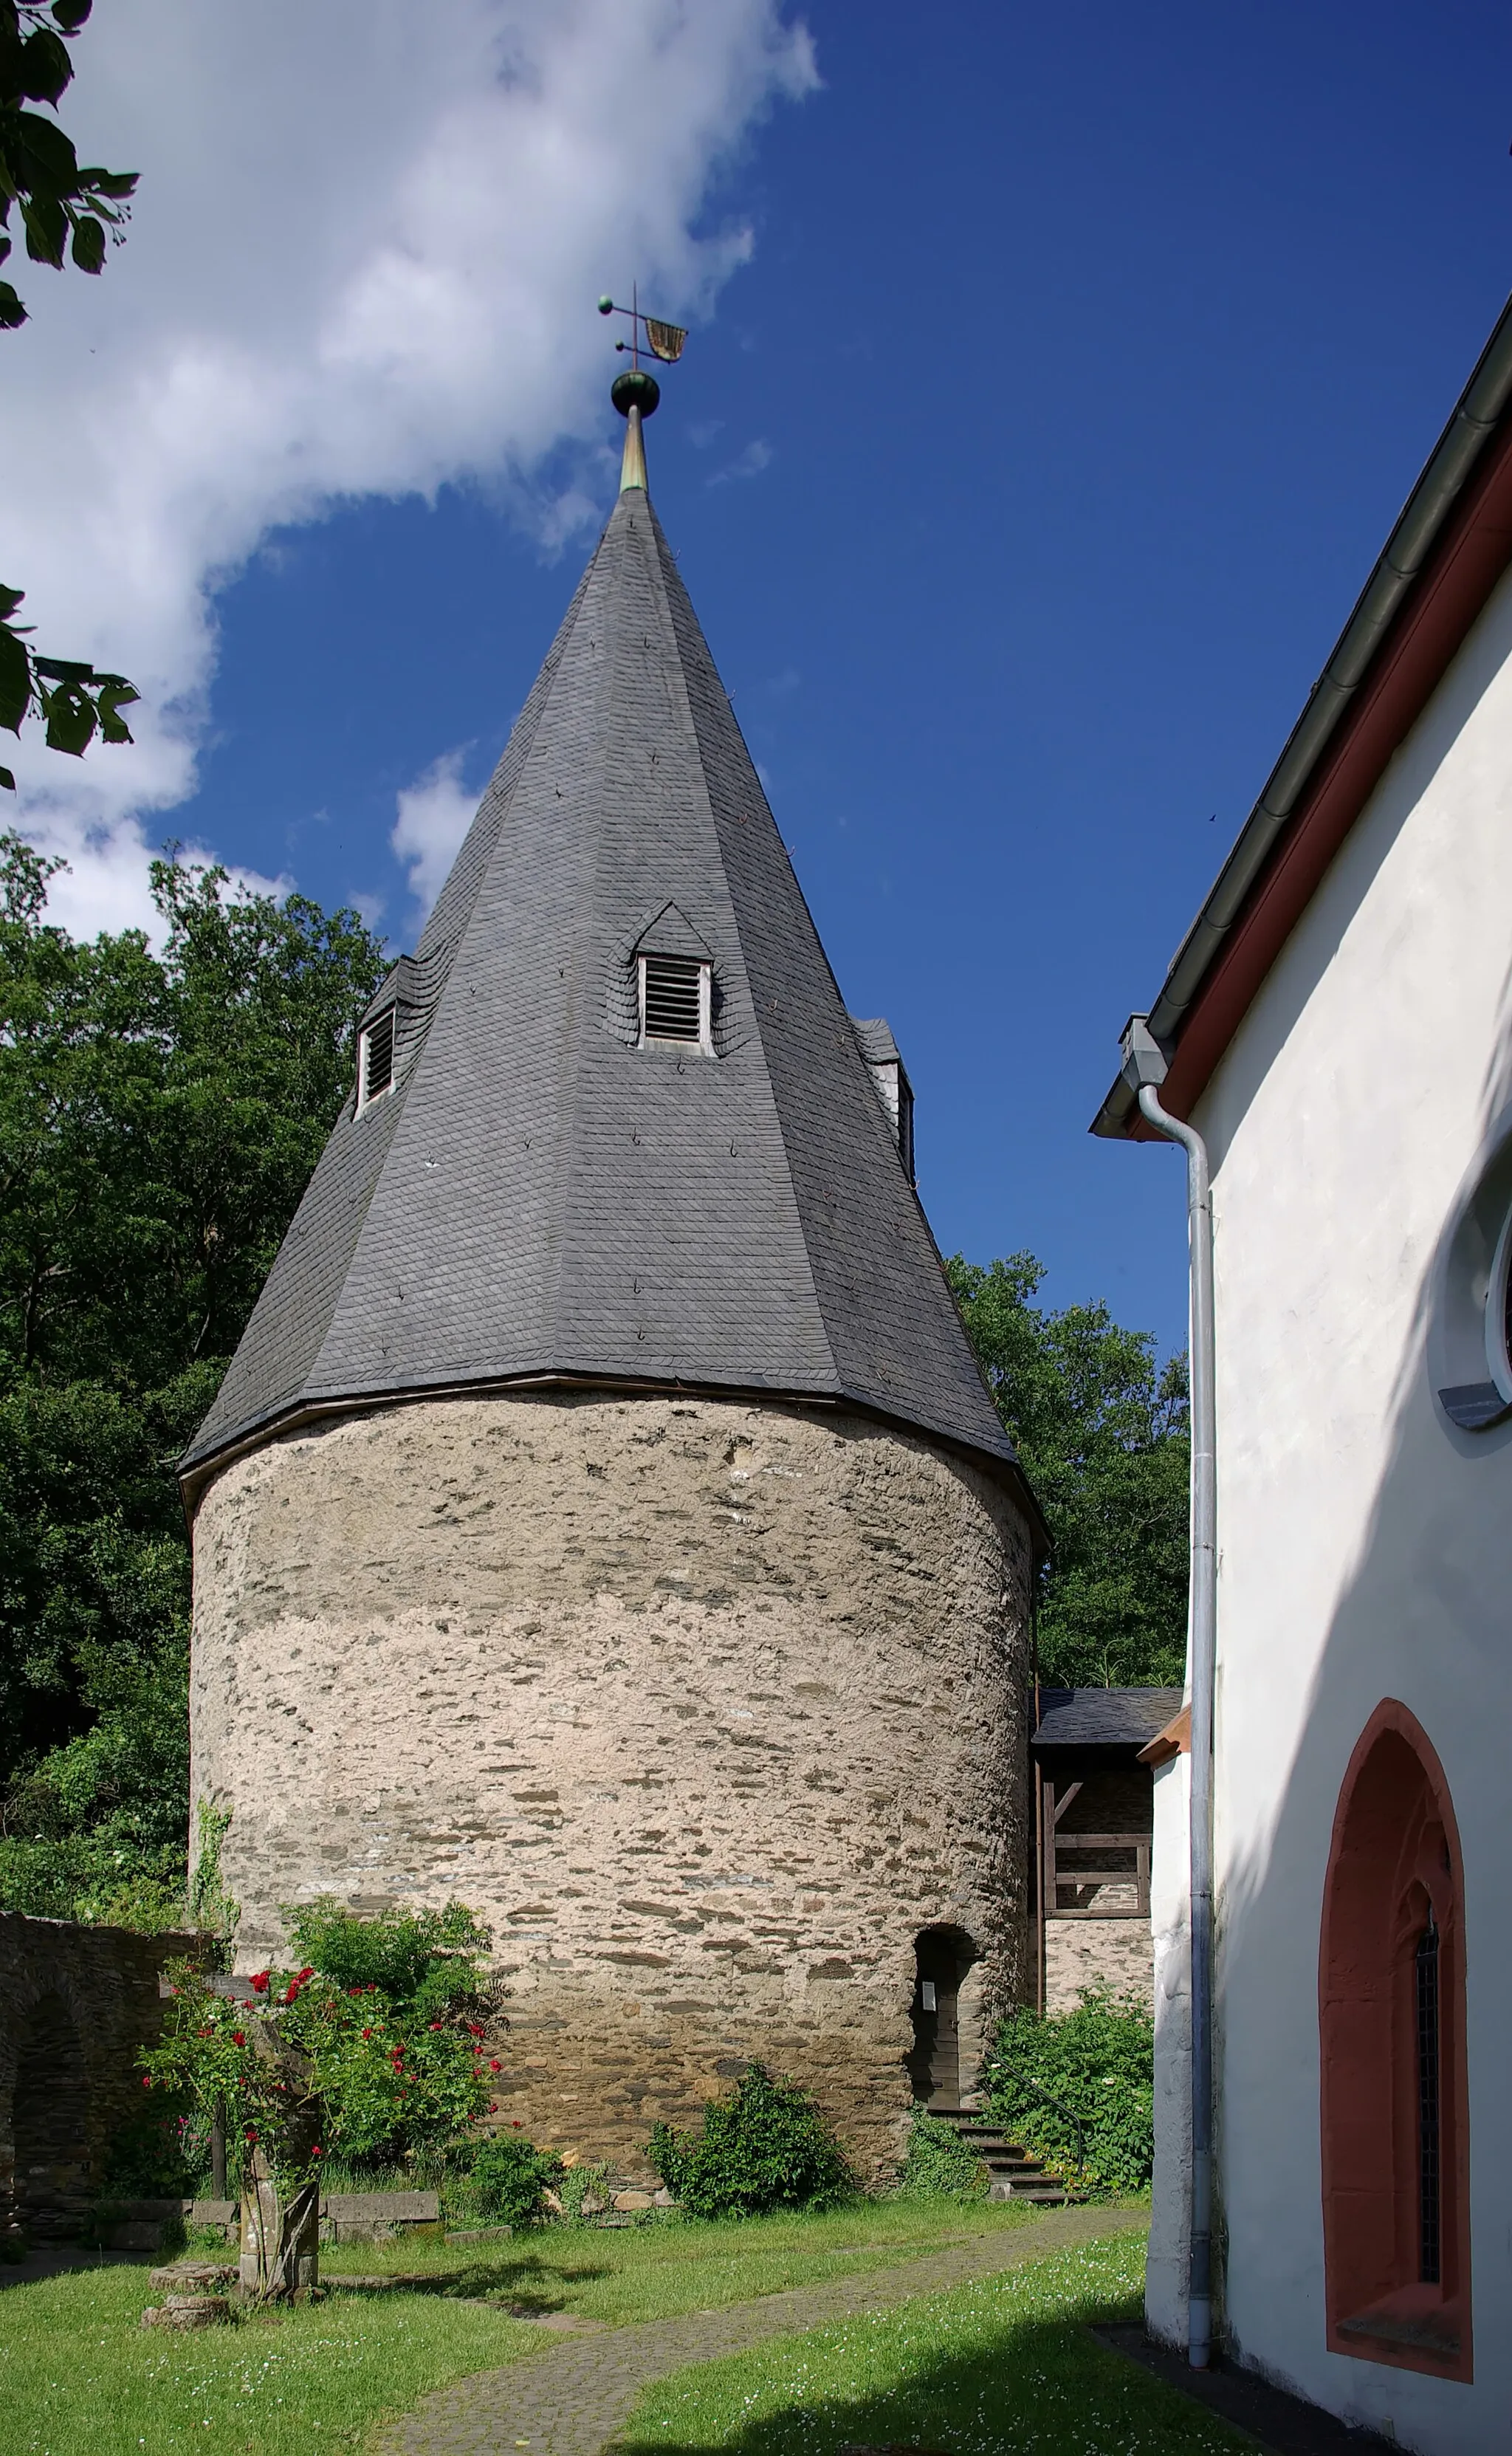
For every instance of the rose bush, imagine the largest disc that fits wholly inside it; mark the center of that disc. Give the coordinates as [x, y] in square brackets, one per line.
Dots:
[322, 2064]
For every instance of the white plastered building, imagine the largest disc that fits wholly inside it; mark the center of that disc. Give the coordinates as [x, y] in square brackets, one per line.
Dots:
[1337, 1026]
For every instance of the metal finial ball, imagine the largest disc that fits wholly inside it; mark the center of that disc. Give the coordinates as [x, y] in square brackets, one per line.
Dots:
[635, 389]
[607, 305]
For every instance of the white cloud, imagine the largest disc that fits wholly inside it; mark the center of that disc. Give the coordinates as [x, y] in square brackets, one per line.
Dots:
[749, 463]
[363, 261]
[435, 814]
[106, 883]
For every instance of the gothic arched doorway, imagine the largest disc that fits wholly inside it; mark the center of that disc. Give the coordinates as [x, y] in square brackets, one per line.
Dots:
[942, 1957]
[1393, 2097]
[49, 2123]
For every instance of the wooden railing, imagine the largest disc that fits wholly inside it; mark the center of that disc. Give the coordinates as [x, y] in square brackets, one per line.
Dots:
[1061, 1862]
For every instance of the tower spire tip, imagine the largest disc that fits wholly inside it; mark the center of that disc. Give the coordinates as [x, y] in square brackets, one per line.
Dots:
[635, 394]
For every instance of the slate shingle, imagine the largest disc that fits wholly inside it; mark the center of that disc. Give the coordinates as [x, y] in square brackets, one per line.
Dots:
[1101, 1718]
[537, 1195]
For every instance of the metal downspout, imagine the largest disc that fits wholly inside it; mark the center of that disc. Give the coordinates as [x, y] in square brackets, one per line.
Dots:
[1145, 1068]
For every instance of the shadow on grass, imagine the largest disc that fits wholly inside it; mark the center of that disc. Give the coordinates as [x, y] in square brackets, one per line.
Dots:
[1045, 2387]
[530, 2285]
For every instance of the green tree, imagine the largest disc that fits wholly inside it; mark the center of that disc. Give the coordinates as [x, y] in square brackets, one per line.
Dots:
[66, 211]
[160, 1114]
[1101, 1428]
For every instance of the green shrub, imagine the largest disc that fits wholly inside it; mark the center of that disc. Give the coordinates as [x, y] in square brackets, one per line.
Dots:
[510, 2178]
[424, 1963]
[160, 2154]
[938, 2165]
[766, 2146]
[390, 2068]
[1079, 2089]
[580, 2184]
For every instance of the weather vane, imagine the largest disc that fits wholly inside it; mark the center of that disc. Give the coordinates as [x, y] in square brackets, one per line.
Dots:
[664, 341]
[635, 391]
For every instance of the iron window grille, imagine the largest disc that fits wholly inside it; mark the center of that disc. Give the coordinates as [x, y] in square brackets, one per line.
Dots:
[1430, 2156]
[374, 1066]
[676, 1000]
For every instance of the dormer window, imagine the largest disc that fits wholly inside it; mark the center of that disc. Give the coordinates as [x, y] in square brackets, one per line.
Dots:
[374, 1064]
[889, 1081]
[676, 999]
[674, 971]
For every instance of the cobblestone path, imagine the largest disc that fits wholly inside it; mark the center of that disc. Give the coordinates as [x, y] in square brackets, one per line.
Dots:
[570, 2400]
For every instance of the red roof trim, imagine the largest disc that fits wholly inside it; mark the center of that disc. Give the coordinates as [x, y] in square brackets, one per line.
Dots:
[1435, 622]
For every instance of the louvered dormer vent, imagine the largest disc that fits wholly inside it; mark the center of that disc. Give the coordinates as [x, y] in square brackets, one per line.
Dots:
[675, 996]
[375, 1071]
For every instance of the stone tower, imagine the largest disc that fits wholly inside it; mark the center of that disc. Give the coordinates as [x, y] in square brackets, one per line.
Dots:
[602, 1518]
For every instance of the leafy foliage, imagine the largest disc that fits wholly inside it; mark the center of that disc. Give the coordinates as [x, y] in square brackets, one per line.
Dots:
[210, 1907]
[938, 2165]
[510, 2178]
[1102, 1431]
[326, 2067]
[578, 2182]
[766, 2146]
[74, 701]
[1078, 2089]
[160, 1114]
[424, 1963]
[62, 206]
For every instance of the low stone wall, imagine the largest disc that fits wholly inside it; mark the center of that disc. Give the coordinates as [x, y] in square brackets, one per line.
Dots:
[75, 2005]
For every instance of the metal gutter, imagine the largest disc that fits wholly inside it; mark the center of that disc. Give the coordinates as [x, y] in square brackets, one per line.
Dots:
[1401, 565]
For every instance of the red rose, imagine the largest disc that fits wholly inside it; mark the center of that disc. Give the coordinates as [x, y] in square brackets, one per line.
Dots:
[477, 2028]
[147, 2081]
[493, 2064]
[492, 2106]
[367, 2034]
[315, 2151]
[515, 2124]
[259, 1981]
[250, 2134]
[239, 2037]
[308, 1972]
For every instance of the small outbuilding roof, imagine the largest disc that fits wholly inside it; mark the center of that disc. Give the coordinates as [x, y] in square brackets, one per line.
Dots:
[1103, 1718]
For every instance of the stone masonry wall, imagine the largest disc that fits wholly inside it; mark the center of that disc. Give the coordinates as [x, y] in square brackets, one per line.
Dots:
[1082, 1953]
[76, 2004]
[708, 1707]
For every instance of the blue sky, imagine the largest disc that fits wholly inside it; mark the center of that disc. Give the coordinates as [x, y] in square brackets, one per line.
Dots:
[1022, 479]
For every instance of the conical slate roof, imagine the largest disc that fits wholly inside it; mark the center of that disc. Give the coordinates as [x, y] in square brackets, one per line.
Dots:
[537, 1195]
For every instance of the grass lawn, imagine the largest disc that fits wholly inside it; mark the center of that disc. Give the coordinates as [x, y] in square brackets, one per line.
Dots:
[1003, 2365]
[654, 2272]
[80, 2377]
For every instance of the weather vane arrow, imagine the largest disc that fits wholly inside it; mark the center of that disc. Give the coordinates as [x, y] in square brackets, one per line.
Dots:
[635, 391]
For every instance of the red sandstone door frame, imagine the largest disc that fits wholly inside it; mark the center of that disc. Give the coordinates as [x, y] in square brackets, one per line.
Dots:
[1394, 1855]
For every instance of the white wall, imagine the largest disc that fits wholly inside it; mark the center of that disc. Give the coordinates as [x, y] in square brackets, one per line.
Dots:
[1365, 1546]
[1170, 1893]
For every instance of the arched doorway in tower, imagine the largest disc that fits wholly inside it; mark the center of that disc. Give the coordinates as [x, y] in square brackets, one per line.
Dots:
[942, 1957]
[1395, 2131]
[49, 2123]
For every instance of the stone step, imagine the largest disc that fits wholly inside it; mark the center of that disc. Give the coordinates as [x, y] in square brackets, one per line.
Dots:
[1015, 2173]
